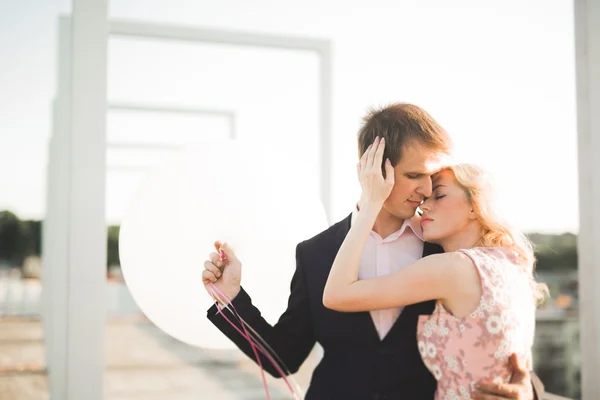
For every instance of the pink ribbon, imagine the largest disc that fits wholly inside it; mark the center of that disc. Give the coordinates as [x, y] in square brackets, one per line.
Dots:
[248, 333]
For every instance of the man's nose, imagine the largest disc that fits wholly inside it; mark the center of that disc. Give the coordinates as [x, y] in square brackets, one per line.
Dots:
[426, 188]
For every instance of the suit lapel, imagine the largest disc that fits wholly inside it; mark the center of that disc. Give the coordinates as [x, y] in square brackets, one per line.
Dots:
[430, 248]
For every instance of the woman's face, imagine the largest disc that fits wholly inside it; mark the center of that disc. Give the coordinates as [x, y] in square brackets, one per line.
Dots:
[447, 211]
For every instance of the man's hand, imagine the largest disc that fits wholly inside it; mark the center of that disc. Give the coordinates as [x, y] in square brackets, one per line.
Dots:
[375, 189]
[519, 387]
[225, 273]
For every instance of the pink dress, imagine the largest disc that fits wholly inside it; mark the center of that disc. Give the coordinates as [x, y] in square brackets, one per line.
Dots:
[461, 351]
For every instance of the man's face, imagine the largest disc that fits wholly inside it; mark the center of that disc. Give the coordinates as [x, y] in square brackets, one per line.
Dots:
[412, 180]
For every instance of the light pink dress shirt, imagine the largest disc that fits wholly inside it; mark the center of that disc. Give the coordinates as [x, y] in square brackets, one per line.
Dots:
[383, 256]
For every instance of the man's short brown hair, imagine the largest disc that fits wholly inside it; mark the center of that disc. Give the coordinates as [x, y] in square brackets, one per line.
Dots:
[402, 124]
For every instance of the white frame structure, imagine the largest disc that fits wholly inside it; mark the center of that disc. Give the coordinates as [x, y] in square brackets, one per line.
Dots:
[152, 108]
[319, 46]
[74, 275]
[587, 53]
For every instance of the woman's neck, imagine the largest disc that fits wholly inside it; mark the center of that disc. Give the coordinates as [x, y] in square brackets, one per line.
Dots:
[465, 239]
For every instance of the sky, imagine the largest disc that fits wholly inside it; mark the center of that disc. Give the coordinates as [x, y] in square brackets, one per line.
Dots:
[498, 75]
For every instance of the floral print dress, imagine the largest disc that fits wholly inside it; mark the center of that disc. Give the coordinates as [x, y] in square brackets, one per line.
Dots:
[461, 351]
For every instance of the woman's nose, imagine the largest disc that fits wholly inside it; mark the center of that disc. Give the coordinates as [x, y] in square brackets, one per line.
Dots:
[425, 206]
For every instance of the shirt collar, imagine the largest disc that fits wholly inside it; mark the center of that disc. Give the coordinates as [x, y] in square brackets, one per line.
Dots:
[413, 223]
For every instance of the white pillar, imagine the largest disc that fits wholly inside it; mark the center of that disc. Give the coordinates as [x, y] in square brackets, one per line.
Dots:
[325, 128]
[75, 231]
[587, 49]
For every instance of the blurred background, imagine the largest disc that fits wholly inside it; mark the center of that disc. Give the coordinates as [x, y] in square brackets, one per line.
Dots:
[498, 75]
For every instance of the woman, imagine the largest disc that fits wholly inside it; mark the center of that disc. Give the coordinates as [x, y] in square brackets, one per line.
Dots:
[483, 282]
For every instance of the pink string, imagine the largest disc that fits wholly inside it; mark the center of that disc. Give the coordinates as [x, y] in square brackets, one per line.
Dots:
[253, 344]
[246, 335]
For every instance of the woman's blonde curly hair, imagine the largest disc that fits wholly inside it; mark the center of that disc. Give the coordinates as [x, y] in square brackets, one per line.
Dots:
[496, 232]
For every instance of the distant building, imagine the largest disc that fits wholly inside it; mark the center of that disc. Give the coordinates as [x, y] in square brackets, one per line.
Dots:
[556, 351]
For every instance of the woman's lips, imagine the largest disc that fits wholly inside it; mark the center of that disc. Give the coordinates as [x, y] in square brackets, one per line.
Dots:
[425, 221]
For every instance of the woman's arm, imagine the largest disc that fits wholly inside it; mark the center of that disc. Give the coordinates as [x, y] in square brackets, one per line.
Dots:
[434, 277]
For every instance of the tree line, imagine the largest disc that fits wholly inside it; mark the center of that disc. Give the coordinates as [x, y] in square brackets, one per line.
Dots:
[22, 238]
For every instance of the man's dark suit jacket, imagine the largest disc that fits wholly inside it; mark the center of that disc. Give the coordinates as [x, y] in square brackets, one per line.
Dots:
[356, 364]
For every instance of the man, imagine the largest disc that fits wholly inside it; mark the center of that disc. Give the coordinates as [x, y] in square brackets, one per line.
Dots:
[366, 355]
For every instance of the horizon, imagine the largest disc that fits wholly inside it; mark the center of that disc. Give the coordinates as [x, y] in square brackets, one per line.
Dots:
[111, 224]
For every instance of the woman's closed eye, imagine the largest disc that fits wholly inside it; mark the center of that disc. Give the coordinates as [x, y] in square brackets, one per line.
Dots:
[440, 196]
